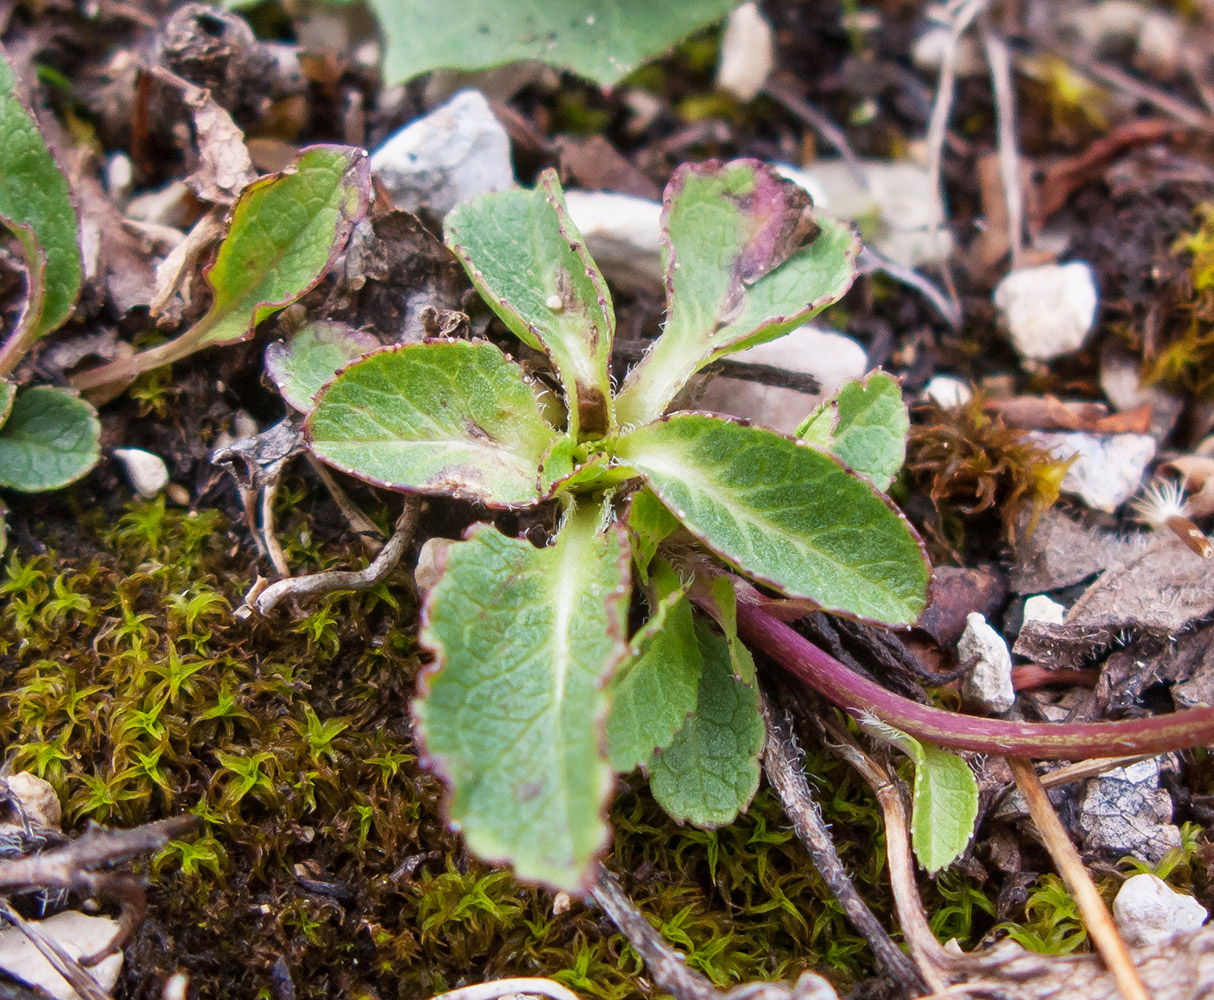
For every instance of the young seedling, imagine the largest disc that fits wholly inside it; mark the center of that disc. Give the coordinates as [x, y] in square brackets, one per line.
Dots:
[539, 691]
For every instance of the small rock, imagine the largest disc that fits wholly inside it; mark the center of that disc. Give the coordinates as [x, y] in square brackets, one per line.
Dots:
[457, 151]
[1040, 608]
[948, 392]
[623, 235]
[1160, 42]
[77, 934]
[1124, 811]
[147, 473]
[1104, 25]
[984, 653]
[927, 52]
[1149, 911]
[37, 798]
[1108, 468]
[1049, 310]
[830, 357]
[747, 53]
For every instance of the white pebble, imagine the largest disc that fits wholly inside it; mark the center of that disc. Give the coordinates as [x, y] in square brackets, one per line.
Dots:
[1149, 911]
[147, 473]
[623, 234]
[37, 798]
[77, 934]
[984, 652]
[948, 392]
[1040, 608]
[748, 53]
[1048, 311]
[1108, 468]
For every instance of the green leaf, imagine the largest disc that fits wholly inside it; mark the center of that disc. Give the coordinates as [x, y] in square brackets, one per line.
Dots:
[865, 425]
[36, 204]
[529, 262]
[447, 417]
[724, 610]
[710, 771]
[784, 513]
[746, 261]
[8, 392]
[602, 42]
[945, 803]
[649, 524]
[655, 689]
[512, 713]
[51, 439]
[308, 361]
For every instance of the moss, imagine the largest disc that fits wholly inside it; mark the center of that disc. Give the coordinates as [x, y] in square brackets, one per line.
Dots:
[127, 682]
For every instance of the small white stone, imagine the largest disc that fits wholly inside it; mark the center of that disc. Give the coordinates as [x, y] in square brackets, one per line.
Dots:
[948, 392]
[927, 52]
[119, 175]
[1108, 468]
[984, 652]
[623, 234]
[1040, 608]
[1160, 42]
[147, 473]
[1149, 911]
[78, 934]
[748, 53]
[37, 798]
[830, 357]
[452, 154]
[1048, 311]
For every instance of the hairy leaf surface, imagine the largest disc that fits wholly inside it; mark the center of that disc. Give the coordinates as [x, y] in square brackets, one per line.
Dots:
[785, 513]
[513, 711]
[51, 439]
[448, 417]
[308, 361]
[865, 425]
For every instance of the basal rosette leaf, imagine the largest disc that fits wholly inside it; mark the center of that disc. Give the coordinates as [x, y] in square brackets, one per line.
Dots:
[710, 771]
[865, 425]
[307, 362]
[784, 513]
[36, 204]
[746, 261]
[50, 439]
[512, 712]
[655, 689]
[8, 392]
[447, 417]
[602, 42]
[529, 262]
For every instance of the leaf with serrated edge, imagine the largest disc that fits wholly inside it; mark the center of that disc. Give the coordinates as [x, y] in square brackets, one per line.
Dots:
[723, 607]
[51, 439]
[602, 42]
[784, 513]
[710, 771]
[529, 262]
[36, 204]
[945, 800]
[308, 361]
[746, 261]
[445, 417]
[864, 424]
[512, 713]
[655, 689]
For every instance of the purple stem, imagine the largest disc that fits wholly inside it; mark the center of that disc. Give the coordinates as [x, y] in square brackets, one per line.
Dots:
[1044, 741]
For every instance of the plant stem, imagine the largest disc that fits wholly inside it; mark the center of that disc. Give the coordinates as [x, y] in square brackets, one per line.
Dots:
[1091, 907]
[1045, 741]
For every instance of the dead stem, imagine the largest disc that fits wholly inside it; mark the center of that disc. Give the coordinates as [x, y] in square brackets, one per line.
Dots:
[333, 580]
[507, 987]
[1000, 64]
[782, 764]
[278, 558]
[1095, 914]
[930, 957]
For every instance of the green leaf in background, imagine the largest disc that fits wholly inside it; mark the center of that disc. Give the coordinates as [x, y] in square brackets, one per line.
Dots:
[710, 771]
[512, 713]
[655, 689]
[448, 417]
[724, 611]
[649, 524]
[36, 205]
[945, 798]
[864, 425]
[284, 232]
[8, 392]
[530, 264]
[51, 439]
[308, 361]
[601, 41]
[785, 513]
[746, 261]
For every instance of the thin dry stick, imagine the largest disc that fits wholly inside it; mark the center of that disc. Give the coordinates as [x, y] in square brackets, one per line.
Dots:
[782, 764]
[506, 987]
[816, 120]
[360, 579]
[929, 955]
[1095, 914]
[278, 558]
[1000, 64]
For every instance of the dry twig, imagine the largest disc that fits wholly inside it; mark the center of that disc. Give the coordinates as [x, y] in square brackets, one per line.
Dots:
[1000, 64]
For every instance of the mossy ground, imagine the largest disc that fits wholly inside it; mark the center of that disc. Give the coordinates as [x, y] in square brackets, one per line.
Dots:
[126, 682]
